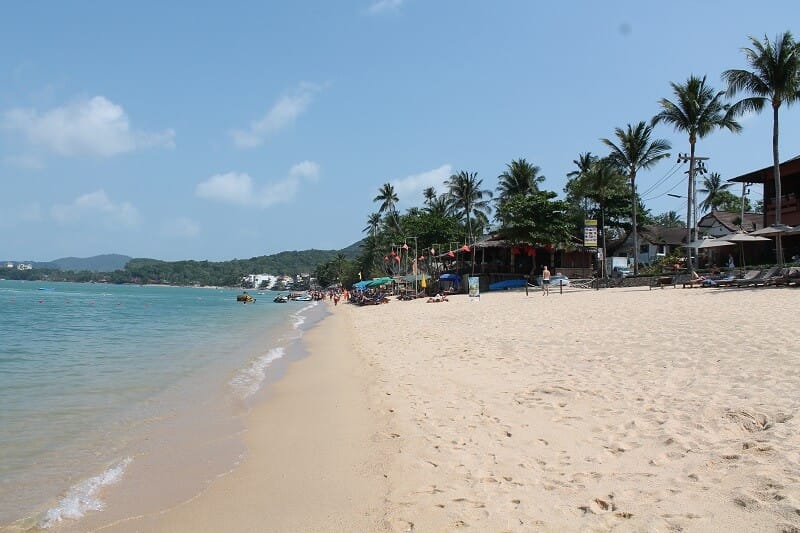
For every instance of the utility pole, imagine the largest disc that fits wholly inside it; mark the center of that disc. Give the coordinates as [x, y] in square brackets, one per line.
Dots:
[744, 195]
[691, 200]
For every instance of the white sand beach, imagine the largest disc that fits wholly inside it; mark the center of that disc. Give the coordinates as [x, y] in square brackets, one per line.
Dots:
[612, 410]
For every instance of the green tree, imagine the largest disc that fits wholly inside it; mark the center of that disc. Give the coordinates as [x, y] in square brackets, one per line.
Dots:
[603, 183]
[670, 219]
[429, 194]
[536, 217]
[774, 78]
[633, 151]
[520, 177]
[727, 201]
[388, 199]
[712, 187]
[697, 111]
[373, 224]
[469, 201]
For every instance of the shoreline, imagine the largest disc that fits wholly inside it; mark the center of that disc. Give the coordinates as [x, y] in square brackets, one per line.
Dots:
[190, 434]
[589, 410]
[310, 462]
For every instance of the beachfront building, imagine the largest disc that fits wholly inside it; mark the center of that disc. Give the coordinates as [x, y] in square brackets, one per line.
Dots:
[790, 191]
[655, 242]
[719, 223]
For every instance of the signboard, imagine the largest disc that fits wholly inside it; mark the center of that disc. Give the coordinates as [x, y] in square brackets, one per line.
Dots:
[474, 287]
[590, 233]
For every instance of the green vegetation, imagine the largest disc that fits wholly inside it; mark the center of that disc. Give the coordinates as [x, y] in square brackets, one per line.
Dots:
[223, 273]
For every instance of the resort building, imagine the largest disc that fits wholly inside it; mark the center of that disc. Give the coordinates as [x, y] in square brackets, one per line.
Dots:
[790, 191]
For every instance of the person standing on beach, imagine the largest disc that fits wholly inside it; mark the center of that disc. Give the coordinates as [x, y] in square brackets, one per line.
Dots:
[545, 281]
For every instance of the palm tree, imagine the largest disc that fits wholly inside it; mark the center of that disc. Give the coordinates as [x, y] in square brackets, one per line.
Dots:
[572, 188]
[373, 223]
[429, 194]
[467, 199]
[670, 219]
[699, 110]
[598, 183]
[388, 198]
[712, 187]
[774, 78]
[520, 177]
[636, 151]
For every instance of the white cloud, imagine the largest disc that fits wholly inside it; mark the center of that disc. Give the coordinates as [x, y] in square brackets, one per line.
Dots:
[240, 189]
[181, 227]
[381, 6]
[96, 205]
[306, 169]
[410, 186]
[281, 115]
[94, 127]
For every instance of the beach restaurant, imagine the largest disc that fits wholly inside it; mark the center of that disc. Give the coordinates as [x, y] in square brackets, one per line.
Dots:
[495, 260]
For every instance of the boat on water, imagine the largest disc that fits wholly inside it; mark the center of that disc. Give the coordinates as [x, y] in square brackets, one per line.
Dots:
[245, 298]
[303, 298]
[281, 299]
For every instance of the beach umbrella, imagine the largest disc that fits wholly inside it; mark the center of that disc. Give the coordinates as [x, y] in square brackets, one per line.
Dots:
[777, 231]
[773, 229]
[708, 242]
[741, 237]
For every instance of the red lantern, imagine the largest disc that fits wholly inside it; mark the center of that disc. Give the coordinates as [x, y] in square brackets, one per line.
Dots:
[451, 254]
[465, 248]
[420, 258]
[515, 250]
[385, 258]
[397, 258]
[405, 246]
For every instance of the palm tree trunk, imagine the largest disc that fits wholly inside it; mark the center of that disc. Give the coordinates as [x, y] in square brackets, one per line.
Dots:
[777, 173]
[635, 233]
[689, 200]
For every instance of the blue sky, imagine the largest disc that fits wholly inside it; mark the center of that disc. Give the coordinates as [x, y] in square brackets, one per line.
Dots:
[199, 130]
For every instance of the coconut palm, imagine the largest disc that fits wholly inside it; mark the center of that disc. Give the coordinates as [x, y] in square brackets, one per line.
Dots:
[698, 111]
[774, 78]
[373, 224]
[599, 183]
[388, 198]
[670, 219]
[429, 194]
[520, 177]
[633, 151]
[712, 188]
[468, 200]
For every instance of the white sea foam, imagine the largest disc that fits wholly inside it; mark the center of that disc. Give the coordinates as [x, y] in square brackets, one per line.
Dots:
[83, 497]
[299, 317]
[247, 382]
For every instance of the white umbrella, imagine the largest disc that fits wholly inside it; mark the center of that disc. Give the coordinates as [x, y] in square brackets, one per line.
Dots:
[773, 229]
[708, 242]
[741, 237]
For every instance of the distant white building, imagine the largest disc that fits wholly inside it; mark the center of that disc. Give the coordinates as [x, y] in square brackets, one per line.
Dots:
[23, 266]
[9, 265]
[268, 280]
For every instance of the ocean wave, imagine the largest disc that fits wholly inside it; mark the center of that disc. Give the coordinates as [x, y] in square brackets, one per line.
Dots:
[247, 382]
[299, 318]
[83, 497]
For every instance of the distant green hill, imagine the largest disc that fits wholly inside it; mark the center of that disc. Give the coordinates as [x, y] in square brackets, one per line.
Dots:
[123, 269]
[98, 263]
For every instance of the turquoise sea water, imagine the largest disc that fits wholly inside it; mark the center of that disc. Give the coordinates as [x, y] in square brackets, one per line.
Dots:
[86, 370]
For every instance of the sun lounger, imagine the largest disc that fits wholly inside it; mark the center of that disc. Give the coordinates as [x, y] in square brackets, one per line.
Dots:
[733, 282]
[662, 281]
[694, 283]
[759, 279]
